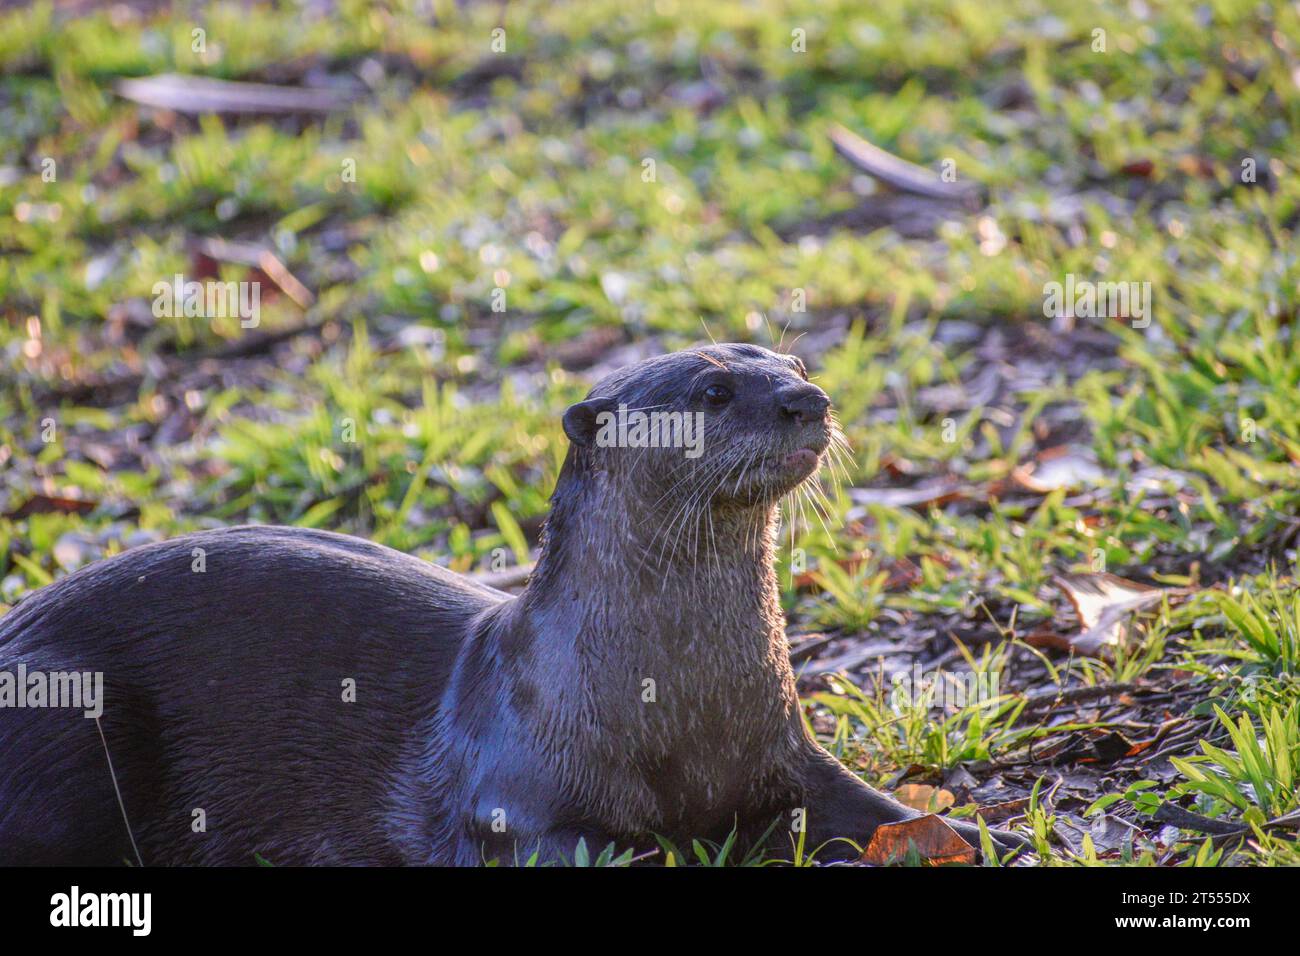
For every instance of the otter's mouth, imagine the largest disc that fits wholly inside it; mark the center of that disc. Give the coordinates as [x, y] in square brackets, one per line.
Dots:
[784, 470]
[799, 464]
[775, 473]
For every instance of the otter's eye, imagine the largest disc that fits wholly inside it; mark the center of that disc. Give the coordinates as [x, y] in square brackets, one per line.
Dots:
[717, 395]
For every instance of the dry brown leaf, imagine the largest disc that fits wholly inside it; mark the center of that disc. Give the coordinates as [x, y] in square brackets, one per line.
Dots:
[1140, 168]
[40, 504]
[1104, 603]
[1002, 812]
[263, 260]
[920, 796]
[935, 841]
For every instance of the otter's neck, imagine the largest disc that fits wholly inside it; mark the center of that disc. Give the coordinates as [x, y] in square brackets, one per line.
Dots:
[671, 674]
[626, 568]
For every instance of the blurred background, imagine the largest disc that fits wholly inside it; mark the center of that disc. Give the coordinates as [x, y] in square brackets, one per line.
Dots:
[457, 216]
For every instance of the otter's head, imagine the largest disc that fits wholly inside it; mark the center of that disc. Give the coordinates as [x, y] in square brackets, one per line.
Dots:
[710, 429]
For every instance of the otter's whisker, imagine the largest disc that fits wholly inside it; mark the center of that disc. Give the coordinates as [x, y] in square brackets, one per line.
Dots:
[820, 505]
[717, 478]
[748, 464]
[687, 508]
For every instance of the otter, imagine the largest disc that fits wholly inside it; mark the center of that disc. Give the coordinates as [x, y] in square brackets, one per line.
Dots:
[305, 697]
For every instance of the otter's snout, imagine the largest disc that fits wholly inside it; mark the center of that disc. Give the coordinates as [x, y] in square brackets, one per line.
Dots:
[803, 403]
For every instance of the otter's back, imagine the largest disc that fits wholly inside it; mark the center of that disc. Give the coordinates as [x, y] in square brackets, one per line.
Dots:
[270, 677]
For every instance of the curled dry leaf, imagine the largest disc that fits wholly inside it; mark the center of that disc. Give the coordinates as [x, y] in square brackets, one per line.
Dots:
[936, 843]
[894, 170]
[1104, 603]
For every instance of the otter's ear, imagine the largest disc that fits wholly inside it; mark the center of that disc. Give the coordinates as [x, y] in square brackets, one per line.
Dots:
[581, 421]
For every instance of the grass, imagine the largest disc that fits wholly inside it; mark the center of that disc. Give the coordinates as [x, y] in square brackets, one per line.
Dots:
[502, 242]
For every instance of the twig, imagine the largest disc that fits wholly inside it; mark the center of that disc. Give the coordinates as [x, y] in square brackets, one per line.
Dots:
[1055, 696]
[1287, 820]
[809, 646]
[1186, 820]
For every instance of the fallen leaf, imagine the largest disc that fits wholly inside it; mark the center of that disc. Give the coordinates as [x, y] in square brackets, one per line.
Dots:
[1140, 747]
[979, 391]
[199, 94]
[583, 351]
[1111, 833]
[936, 842]
[1068, 833]
[1002, 812]
[891, 169]
[903, 575]
[1062, 749]
[995, 790]
[919, 796]
[1108, 748]
[1104, 603]
[265, 262]
[46, 504]
[1062, 467]
[1140, 168]
[959, 779]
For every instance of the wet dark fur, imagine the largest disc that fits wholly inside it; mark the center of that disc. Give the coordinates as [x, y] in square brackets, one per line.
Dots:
[223, 689]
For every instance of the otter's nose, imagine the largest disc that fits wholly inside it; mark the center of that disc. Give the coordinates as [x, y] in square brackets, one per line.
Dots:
[804, 402]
